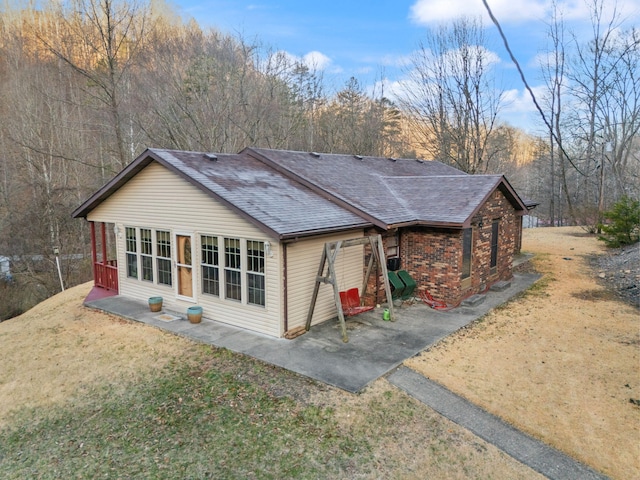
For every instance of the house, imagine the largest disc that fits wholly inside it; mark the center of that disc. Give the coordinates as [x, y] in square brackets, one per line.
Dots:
[242, 234]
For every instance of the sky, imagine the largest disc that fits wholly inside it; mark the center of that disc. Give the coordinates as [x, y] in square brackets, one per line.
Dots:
[375, 39]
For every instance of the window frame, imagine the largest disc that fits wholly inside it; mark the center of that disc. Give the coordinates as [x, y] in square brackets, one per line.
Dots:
[466, 265]
[239, 264]
[146, 255]
[233, 269]
[393, 245]
[164, 245]
[212, 266]
[256, 295]
[131, 252]
[495, 245]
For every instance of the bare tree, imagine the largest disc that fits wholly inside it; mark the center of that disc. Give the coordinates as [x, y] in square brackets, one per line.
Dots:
[452, 98]
[605, 97]
[553, 71]
[101, 41]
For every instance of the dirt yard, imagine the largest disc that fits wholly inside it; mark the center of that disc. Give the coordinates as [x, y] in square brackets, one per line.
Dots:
[561, 363]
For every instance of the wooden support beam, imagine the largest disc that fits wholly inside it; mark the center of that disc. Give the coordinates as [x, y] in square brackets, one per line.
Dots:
[324, 280]
[316, 288]
[329, 255]
[385, 275]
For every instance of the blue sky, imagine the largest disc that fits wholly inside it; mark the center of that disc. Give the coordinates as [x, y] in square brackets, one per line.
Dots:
[375, 38]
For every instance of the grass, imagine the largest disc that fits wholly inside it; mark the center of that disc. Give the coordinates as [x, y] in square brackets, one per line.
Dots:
[216, 414]
[186, 422]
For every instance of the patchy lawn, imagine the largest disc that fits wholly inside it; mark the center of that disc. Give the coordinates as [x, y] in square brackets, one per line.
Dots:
[562, 362]
[87, 395]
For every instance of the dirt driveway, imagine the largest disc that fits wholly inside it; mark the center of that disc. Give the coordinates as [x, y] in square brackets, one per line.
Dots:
[562, 363]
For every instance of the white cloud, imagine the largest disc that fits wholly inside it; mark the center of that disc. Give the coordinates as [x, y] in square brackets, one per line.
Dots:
[393, 90]
[426, 12]
[519, 101]
[433, 11]
[316, 60]
[313, 60]
[395, 60]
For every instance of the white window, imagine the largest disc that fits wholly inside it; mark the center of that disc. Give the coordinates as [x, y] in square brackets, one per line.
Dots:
[255, 272]
[146, 254]
[131, 249]
[210, 262]
[232, 269]
[163, 256]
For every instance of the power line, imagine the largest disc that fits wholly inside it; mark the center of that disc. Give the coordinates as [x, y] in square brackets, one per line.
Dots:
[526, 84]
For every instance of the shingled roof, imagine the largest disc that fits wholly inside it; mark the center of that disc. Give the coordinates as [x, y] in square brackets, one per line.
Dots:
[392, 192]
[292, 194]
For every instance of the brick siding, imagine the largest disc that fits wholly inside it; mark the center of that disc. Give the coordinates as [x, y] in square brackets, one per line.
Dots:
[433, 256]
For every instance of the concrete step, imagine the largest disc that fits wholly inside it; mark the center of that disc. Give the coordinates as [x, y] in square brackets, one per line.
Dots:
[473, 300]
[500, 286]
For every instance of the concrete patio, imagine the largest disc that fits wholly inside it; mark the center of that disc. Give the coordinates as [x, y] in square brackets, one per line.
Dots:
[375, 346]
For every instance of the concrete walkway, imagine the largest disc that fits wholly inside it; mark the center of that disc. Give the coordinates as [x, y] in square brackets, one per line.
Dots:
[540, 457]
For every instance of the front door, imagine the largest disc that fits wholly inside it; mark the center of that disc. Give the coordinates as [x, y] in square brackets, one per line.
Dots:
[184, 266]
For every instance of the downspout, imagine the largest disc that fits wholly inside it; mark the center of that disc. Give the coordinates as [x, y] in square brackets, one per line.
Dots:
[285, 288]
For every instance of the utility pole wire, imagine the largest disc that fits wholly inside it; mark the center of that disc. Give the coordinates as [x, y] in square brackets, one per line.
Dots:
[524, 80]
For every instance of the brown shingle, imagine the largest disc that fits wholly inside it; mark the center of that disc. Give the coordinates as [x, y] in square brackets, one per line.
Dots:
[289, 194]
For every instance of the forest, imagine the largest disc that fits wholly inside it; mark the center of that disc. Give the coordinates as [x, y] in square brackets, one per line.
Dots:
[87, 85]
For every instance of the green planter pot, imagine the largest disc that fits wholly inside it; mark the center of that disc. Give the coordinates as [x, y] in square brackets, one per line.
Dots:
[194, 314]
[155, 304]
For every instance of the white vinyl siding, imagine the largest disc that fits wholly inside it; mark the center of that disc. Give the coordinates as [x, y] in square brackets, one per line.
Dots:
[303, 260]
[159, 199]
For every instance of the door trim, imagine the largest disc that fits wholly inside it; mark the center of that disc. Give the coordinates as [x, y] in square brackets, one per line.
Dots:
[177, 265]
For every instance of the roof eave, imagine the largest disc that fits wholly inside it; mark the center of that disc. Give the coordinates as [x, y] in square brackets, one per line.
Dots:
[426, 223]
[108, 189]
[507, 190]
[295, 236]
[138, 165]
[144, 159]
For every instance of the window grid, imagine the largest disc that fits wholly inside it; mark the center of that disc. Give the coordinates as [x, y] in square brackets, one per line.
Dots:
[210, 262]
[232, 271]
[131, 252]
[146, 254]
[255, 273]
[163, 256]
[392, 246]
